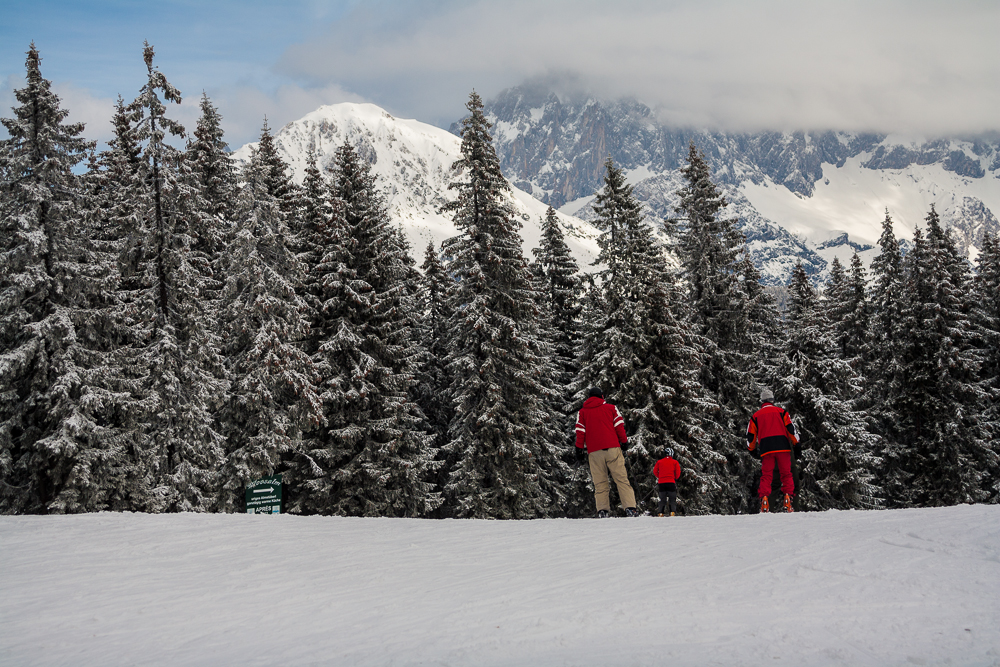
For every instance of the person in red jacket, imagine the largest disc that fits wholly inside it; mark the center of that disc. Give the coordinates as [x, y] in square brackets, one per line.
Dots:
[600, 431]
[667, 471]
[771, 437]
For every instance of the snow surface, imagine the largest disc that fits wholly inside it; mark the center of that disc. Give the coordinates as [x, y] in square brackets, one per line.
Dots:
[912, 587]
[853, 199]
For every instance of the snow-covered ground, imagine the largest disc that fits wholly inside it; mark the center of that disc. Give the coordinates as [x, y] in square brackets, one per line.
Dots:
[915, 587]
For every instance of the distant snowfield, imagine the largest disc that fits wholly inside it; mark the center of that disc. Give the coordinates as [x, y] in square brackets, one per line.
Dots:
[854, 199]
[914, 587]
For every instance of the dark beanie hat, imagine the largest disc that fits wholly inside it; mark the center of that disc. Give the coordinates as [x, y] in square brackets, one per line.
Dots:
[595, 391]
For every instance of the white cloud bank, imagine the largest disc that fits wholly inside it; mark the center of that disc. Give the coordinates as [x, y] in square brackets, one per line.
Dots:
[910, 66]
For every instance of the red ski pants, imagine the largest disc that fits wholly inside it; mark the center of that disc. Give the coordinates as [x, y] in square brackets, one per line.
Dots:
[767, 462]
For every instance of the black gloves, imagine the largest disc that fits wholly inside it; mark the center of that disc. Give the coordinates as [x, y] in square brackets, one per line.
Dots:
[797, 450]
[581, 453]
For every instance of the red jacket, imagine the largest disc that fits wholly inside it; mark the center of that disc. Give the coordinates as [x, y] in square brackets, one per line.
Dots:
[599, 426]
[770, 430]
[667, 470]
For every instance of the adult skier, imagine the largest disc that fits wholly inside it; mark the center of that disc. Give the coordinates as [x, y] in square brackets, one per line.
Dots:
[600, 431]
[667, 471]
[771, 437]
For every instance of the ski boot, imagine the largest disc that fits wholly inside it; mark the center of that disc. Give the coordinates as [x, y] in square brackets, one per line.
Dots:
[632, 511]
[673, 514]
[788, 503]
[661, 514]
[763, 505]
[603, 514]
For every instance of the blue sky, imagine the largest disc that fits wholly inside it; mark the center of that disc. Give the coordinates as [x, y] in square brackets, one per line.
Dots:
[92, 51]
[916, 67]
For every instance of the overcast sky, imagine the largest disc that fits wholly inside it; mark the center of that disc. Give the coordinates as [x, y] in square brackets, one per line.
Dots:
[914, 67]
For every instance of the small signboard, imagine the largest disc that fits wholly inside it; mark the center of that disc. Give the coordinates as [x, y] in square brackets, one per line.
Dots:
[264, 496]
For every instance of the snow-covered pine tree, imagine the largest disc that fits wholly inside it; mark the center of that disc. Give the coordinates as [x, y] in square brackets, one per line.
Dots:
[887, 272]
[320, 246]
[371, 459]
[214, 176]
[51, 283]
[562, 289]
[848, 310]
[987, 317]
[834, 296]
[712, 252]
[495, 361]
[432, 391]
[940, 455]
[276, 177]
[185, 375]
[558, 286]
[817, 387]
[272, 400]
[115, 183]
[880, 361]
[314, 213]
[211, 166]
[639, 348]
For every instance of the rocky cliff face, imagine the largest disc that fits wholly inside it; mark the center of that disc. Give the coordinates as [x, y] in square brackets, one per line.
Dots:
[554, 148]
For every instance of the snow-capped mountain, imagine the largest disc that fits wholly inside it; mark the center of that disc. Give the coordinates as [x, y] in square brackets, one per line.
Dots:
[413, 161]
[799, 196]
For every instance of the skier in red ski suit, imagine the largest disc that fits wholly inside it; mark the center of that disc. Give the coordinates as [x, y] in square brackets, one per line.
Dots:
[771, 437]
[600, 431]
[667, 470]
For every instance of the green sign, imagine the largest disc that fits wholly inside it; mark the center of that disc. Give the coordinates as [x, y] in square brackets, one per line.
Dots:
[264, 496]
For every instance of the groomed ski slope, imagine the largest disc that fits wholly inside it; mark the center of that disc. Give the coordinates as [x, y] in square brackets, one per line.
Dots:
[913, 587]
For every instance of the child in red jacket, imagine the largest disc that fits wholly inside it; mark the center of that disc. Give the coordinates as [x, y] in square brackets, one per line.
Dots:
[667, 471]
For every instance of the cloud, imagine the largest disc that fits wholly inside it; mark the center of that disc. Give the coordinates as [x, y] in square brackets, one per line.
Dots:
[85, 107]
[244, 107]
[898, 65]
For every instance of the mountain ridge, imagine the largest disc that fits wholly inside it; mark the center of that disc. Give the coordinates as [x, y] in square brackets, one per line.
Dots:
[798, 197]
[413, 162]
[796, 194]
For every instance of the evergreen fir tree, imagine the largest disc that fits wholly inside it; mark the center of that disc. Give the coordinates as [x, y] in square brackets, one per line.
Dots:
[561, 292]
[558, 286]
[211, 165]
[272, 400]
[639, 347]
[214, 177]
[817, 387]
[987, 317]
[847, 309]
[887, 270]
[116, 182]
[276, 177]
[940, 455]
[372, 459]
[185, 377]
[432, 390]
[50, 439]
[879, 361]
[712, 252]
[495, 362]
[320, 246]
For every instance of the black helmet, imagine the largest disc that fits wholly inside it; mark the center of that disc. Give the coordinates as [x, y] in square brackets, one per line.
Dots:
[668, 451]
[595, 392]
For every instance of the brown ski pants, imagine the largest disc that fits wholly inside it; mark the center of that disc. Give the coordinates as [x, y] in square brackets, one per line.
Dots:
[602, 463]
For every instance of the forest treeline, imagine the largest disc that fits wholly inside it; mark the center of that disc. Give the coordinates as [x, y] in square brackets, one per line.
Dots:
[173, 327]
